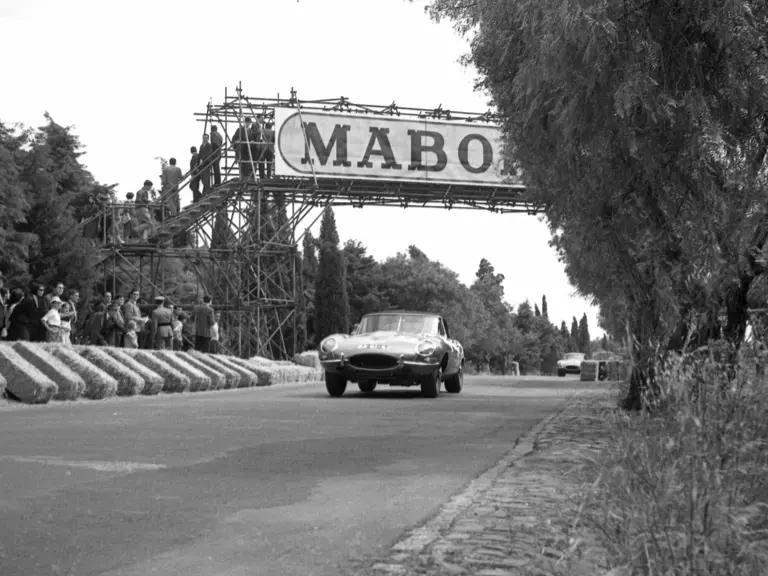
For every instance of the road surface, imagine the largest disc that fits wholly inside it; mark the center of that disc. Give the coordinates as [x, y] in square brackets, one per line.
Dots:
[245, 482]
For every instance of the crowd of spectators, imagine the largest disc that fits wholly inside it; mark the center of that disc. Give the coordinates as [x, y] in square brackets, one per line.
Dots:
[124, 321]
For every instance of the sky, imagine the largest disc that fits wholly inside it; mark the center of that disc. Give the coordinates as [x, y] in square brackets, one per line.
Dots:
[128, 77]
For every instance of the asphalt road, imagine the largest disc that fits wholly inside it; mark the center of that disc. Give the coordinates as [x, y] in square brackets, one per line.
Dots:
[248, 482]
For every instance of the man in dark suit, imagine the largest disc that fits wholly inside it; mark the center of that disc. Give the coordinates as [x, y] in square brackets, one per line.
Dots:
[194, 183]
[206, 154]
[204, 319]
[38, 310]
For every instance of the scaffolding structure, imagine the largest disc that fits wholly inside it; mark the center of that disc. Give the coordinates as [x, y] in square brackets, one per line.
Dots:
[239, 242]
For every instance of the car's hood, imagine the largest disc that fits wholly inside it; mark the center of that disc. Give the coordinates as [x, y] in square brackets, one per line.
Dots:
[385, 340]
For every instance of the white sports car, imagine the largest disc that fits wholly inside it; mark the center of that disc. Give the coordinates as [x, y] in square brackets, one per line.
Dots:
[571, 364]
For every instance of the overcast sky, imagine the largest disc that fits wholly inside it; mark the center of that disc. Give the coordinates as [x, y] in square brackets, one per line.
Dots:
[129, 76]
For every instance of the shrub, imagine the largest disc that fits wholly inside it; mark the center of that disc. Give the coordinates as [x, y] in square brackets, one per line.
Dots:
[23, 380]
[218, 380]
[98, 384]
[247, 378]
[153, 382]
[232, 378]
[129, 383]
[198, 381]
[173, 379]
[681, 489]
[70, 384]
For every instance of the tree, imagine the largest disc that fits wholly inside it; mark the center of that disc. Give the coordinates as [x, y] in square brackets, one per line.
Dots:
[604, 342]
[544, 311]
[574, 331]
[309, 266]
[583, 336]
[14, 251]
[331, 303]
[642, 131]
[363, 281]
[536, 310]
[564, 334]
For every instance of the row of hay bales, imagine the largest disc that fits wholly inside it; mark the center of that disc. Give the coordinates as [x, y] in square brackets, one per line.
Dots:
[612, 370]
[305, 368]
[36, 373]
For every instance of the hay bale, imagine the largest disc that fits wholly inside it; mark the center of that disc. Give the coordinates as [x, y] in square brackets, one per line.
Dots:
[129, 383]
[98, 383]
[261, 361]
[173, 380]
[153, 382]
[255, 376]
[309, 358]
[198, 381]
[3, 384]
[71, 385]
[218, 380]
[247, 378]
[23, 380]
[264, 372]
[232, 377]
[589, 371]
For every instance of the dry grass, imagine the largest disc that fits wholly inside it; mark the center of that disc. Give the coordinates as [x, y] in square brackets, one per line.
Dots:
[129, 383]
[173, 379]
[682, 489]
[23, 380]
[198, 381]
[153, 382]
[70, 384]
[98, 384]
[229, 378]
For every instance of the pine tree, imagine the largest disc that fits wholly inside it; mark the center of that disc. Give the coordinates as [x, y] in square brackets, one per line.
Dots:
[583, 339]
[331, 302]
[536, 310]
[544, 311]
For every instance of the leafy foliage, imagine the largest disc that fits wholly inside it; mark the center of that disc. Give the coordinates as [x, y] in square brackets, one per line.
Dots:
[331, 313]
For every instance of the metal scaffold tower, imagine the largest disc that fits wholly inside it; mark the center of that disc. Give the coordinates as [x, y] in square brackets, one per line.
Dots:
[238, 241]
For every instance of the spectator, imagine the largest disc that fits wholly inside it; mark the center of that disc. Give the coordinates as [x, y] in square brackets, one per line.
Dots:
[52, 321]
[216, 144]
[242, 150]
[65, 324]
[144, 222]
[131, 310]
[269, 151]
[194, 183]
[128, 216]
[58, 291]
[176, 326]
[73, 298]
[131, 340]
[215, 334]
[256, 138]
[206, 153]
[36, 308]
[114, 326]
[4, 312]
[16, 329]
[162, 333]
[204, 319]
[96, 325]
[171, 177]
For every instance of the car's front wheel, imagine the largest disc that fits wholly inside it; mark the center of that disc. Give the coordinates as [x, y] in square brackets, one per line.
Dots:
[430, 386]
[367, 387]
[335, 384]
[455, 383]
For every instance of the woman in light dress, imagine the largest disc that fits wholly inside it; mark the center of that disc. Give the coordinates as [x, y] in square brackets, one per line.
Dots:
[66, 323]
[52, 321]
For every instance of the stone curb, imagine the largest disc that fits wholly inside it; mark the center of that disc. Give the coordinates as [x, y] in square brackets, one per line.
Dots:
[416, 540]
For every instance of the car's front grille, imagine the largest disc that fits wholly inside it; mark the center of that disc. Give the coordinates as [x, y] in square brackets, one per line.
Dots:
[373, 361]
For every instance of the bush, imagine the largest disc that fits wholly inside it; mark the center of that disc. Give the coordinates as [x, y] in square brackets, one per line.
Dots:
[153, 382]
[218, 379]
[232, 378]
[129, 383]
[70, 384]
[682, 488]
[98, 384]
[198, 381]
[23, 380]
[173, 380]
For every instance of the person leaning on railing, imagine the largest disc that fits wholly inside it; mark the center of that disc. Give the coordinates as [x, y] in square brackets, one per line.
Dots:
[144, 223]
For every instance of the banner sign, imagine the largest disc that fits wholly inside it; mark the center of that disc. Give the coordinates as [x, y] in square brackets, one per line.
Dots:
[378, 147]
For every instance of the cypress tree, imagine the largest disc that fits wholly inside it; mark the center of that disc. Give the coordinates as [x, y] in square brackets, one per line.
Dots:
[331, 301]
[584, 339]
[544, 311]
[536, 310]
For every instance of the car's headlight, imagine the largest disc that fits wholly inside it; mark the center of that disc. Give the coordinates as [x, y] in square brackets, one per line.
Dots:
[425, 347]
[329, 345]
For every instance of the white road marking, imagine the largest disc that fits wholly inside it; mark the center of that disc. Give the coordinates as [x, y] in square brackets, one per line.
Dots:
[100, 466]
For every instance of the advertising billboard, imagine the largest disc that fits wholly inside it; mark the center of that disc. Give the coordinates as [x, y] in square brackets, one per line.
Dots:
[378, 147]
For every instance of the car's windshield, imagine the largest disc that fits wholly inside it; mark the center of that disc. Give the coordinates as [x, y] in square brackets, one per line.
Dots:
[574, 356]
[409, 323]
